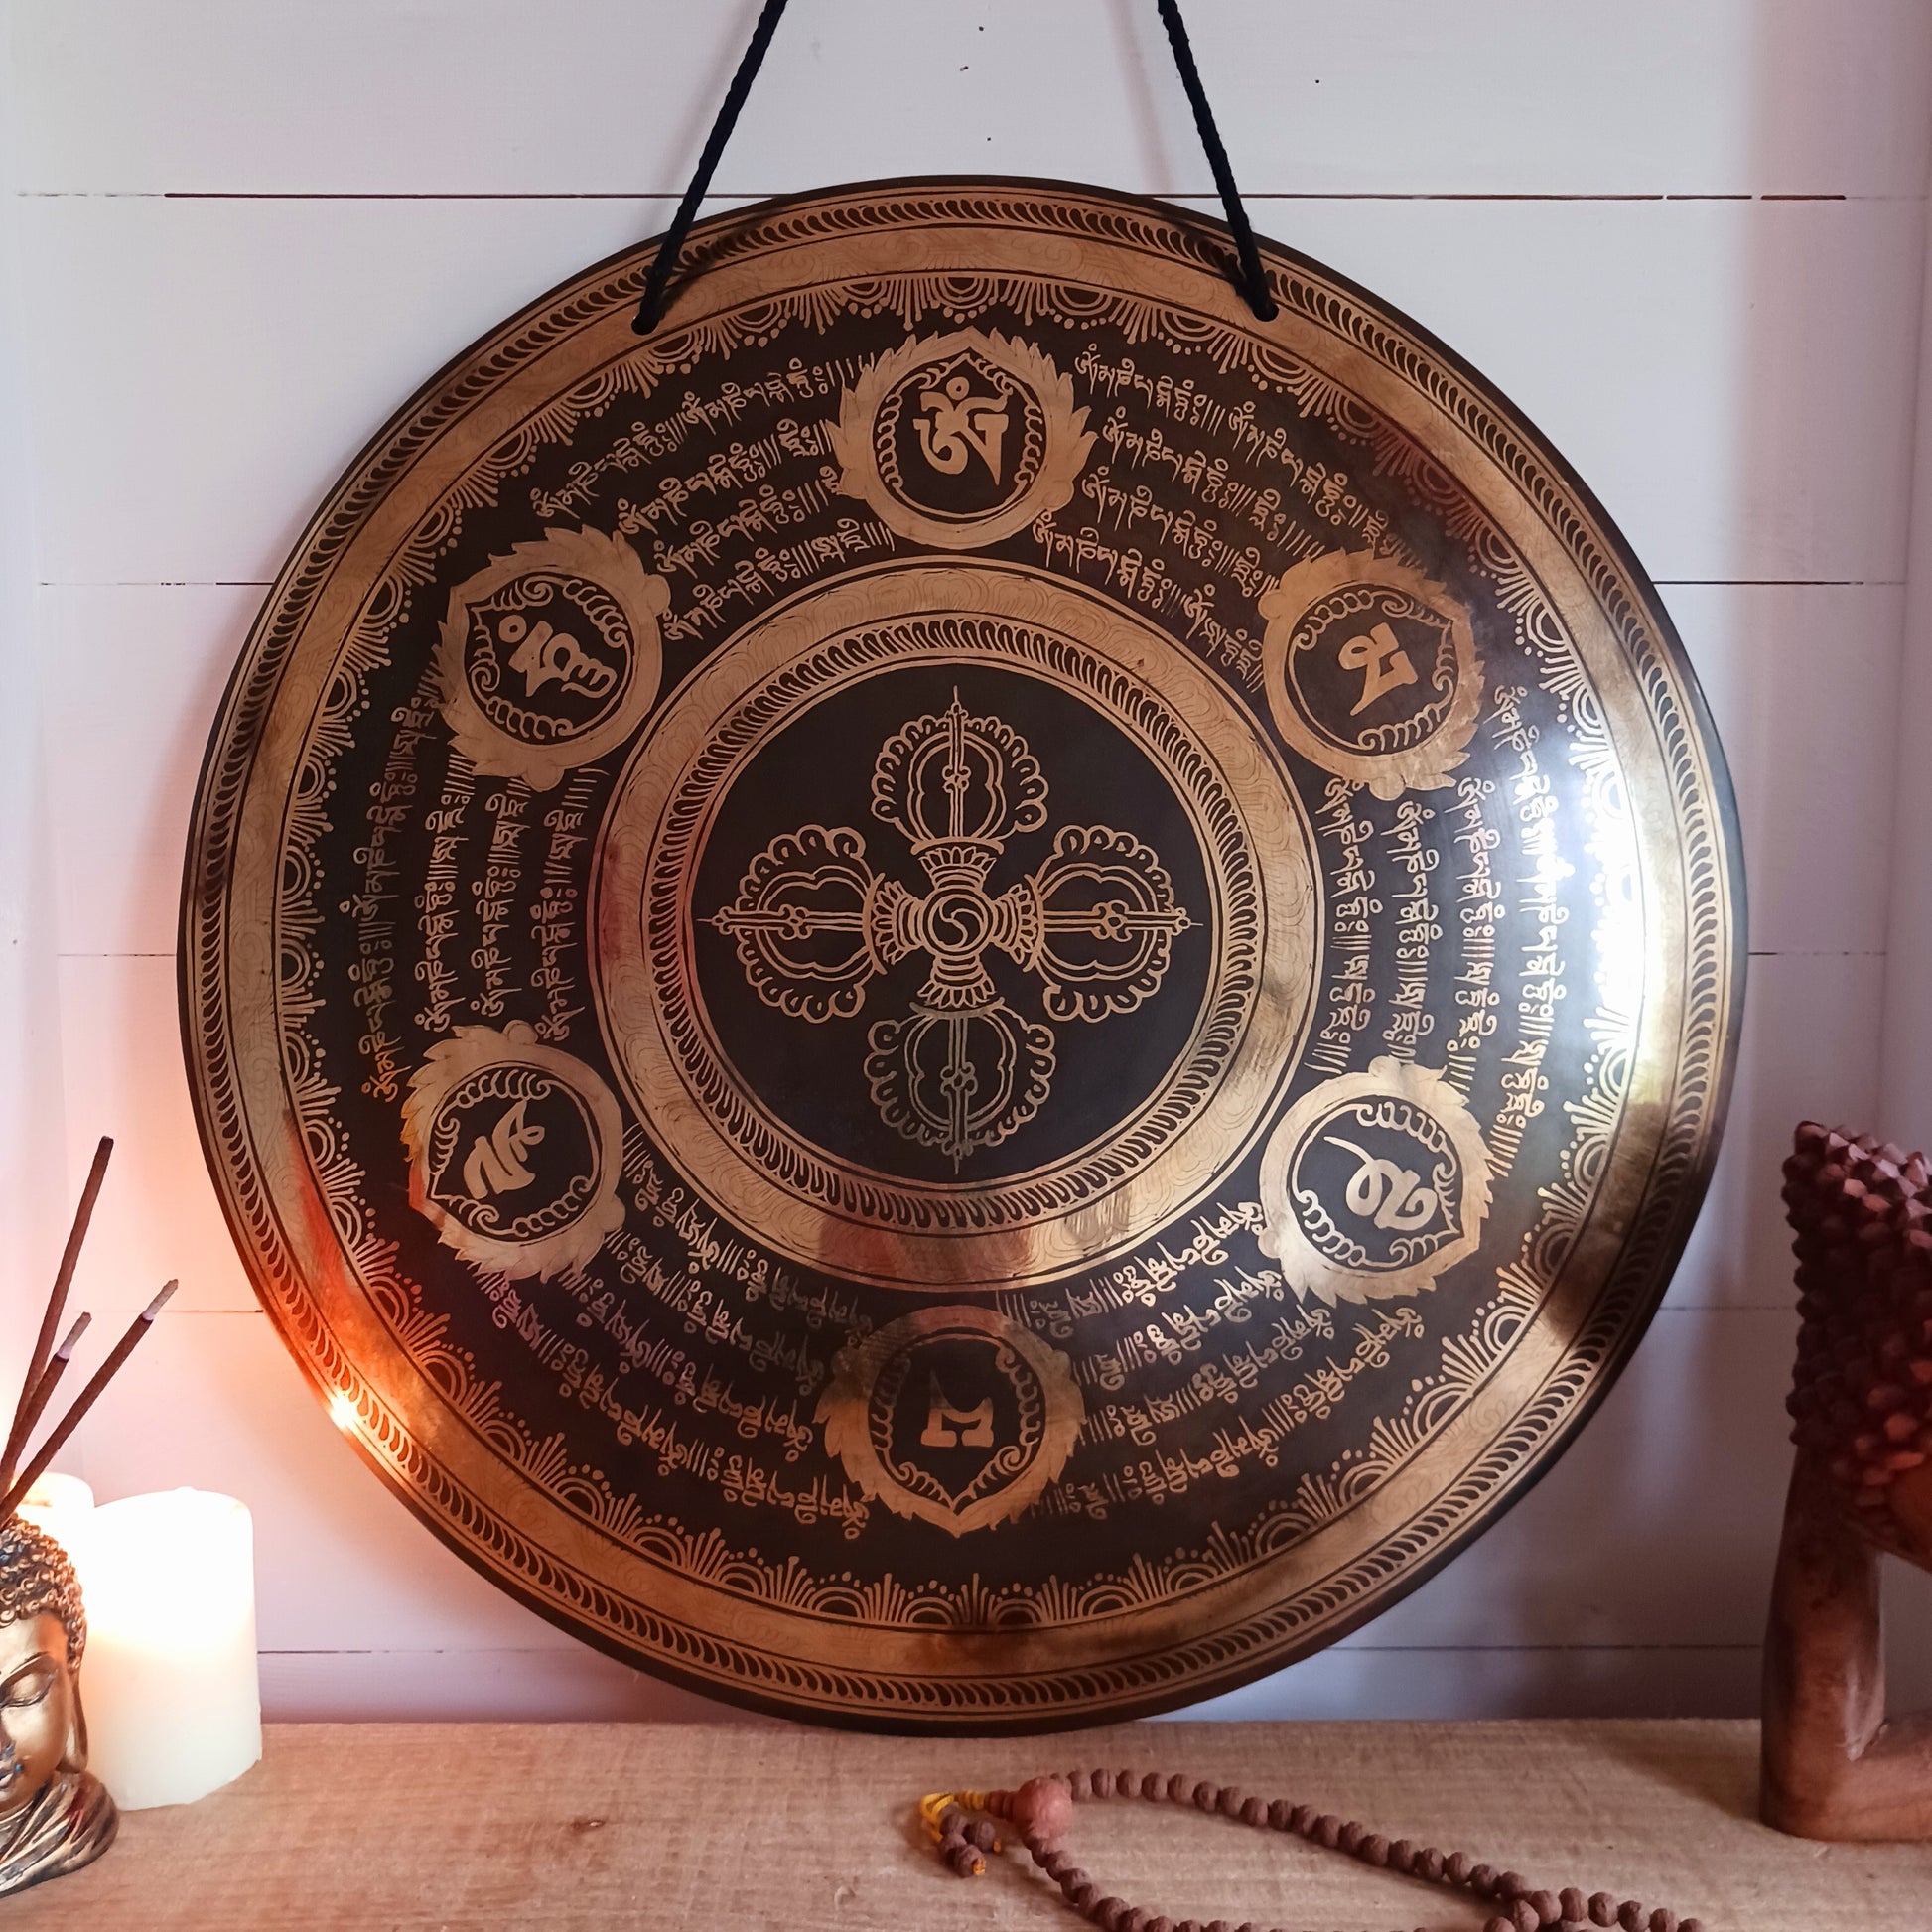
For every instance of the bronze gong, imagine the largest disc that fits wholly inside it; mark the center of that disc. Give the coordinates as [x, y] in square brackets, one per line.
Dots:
[968, 995]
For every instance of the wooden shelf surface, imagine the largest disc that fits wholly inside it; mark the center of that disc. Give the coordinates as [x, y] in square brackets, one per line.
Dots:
[578, 1826]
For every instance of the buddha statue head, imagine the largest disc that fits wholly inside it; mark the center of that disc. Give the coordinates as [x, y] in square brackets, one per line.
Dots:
[53, 1816]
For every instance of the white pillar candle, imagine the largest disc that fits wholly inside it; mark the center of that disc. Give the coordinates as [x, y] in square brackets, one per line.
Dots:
[168, 1683]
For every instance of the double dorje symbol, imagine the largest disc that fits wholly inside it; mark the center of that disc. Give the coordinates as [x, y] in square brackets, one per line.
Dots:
[815, 922]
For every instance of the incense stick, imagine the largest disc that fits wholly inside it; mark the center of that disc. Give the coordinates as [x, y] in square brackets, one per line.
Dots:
[36, 1402]
[66, 1426]
[55, 1303]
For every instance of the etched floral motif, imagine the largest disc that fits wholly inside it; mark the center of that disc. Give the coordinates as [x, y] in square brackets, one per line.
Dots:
[815, 922]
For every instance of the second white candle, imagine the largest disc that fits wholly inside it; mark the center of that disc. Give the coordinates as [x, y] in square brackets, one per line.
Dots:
[170, 1682]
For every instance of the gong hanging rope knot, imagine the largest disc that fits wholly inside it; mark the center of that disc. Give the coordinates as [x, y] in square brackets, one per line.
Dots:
[1253, 278]
[1041, 1811]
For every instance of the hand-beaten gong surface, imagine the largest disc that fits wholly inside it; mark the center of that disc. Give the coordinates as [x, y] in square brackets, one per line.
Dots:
[969, 995]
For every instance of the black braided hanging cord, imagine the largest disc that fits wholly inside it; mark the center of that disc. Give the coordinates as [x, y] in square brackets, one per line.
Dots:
[1252, 278]
[721, 132]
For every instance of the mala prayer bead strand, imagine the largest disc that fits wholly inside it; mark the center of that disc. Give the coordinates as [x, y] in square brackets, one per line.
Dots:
[1041, 1811]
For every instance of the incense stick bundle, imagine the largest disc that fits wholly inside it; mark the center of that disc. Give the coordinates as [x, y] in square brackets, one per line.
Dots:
[37, 1365]
[67, 1423]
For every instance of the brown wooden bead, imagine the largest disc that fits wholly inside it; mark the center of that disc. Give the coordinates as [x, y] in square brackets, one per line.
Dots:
[1457, 1866]
[1510, 1884]
[1154, 1787]
[1482, 1880]
[1498, 1924]
[1373, 1849]
[1108, 1913]
[1043, 1808]
[1696, 1924]
[1206, 1796]
[1179, 1789]
[1232, 1799]
[1602, 1909]
[1430, 1864]
[1133, 1919]
[980, 1831]
[1254, 1811]
[1302, 1819]
[1549, 1907]
[1402, 1855]
[1663, 1919]
[1163, 1924]
[1575, 1906]
[1630, 1915]
[1279, 1810]
[1126, 1784]
[1327, 1830]
[1102, 1783]
[1219, 1925]
[1079, 1785]
[1350, 1836]
[1081, 1893]
[1524, 1917]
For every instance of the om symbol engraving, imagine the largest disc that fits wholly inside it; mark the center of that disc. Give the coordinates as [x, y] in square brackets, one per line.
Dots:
[1374, 1183]
[954, 425]
[814, 923]
[961, 440]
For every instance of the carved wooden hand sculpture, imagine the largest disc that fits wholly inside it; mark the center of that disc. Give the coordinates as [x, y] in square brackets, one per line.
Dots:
[1833, 1766]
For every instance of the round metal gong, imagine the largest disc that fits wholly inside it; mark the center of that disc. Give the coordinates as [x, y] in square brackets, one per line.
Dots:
[968, 995]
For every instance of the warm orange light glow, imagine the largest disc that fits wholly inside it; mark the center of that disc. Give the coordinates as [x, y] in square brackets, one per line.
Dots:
[341, 1411]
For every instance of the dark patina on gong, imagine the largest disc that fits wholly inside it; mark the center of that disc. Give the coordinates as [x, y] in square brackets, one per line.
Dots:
[969, 995]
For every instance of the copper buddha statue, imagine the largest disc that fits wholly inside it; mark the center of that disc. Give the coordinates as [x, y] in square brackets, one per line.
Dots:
[53, 1816]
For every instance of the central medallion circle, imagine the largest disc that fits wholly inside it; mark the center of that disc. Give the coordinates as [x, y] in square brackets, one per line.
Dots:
[933, 940]
[957, 922]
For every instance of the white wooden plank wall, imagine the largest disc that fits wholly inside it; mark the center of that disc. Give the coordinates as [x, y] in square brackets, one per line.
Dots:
[1687, 238]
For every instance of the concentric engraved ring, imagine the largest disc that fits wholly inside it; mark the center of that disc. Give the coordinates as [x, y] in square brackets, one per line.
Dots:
[1092, 1200]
